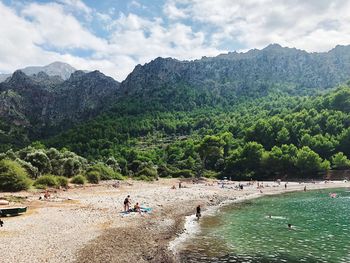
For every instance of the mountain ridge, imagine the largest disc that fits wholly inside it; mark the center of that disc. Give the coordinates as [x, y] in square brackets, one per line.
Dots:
[45, 105]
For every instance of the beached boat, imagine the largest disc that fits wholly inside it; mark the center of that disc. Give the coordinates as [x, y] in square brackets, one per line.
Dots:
[12, 211]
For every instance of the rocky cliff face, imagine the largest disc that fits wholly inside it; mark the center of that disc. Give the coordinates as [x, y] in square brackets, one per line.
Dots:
[251, 73]
[49, 101]
[47, 104]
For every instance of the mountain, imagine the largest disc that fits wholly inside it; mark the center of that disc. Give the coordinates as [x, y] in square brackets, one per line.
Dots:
[46, 104]
[3, 77]
[44, 101]
[60, 69]
[228, 77]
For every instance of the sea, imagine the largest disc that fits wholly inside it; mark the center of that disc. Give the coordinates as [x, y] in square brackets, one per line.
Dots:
[257, 230]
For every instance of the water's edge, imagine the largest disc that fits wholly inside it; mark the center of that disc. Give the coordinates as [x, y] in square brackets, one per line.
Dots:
[191, 225]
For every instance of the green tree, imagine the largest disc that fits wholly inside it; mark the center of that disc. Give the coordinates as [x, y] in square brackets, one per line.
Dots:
[340, 161]
[13, 177]
[40, 160]
[309, 162]
[210, 150]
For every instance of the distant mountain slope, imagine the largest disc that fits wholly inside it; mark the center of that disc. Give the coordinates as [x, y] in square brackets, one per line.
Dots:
[229, 76]
[46, 104]
[60, 69]
[47, 100]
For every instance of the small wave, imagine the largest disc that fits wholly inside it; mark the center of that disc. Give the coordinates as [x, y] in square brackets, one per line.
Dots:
[276, 217]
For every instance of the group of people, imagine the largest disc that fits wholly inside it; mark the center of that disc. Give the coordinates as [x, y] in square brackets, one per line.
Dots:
[127, 203]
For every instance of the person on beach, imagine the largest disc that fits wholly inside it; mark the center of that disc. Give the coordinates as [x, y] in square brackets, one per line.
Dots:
[198, 212]
[47, 195]
[127, 203]
[1, 223]
[305, 188]
[285, 186]
[137, 208]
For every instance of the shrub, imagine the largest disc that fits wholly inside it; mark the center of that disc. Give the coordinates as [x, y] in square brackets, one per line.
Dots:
[13, 177]
[105, 172]
[93, 177]
[183, 173]
[40, 160]
[61, 181]
[32, 171]
[46, 180]
[71, 166]
[144, 178]
[210, 174]
[148, 171]
[78, 179]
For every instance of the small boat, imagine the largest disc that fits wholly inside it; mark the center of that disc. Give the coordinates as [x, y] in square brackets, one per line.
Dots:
[12, 211]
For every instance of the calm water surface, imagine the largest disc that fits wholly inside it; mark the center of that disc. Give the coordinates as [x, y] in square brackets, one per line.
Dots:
[245, 233]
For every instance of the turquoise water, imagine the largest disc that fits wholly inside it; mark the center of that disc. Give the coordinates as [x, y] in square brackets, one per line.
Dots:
[245, 233]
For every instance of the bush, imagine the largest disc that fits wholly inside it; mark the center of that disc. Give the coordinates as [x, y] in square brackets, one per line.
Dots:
[93, 177]
[40, 160]
[46, 180]
[183, 173]
[144, 178]
[148, 172]
[61, 181]
[13, 177]
[32, 171]
[78, 179]
[105, 172]
[210, 174]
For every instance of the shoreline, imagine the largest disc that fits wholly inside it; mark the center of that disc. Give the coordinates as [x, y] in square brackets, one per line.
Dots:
[84, 225]
[191, 227]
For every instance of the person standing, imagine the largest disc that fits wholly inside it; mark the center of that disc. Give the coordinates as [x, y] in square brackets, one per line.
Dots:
[198, 212]
[127, 203]
[1, 223]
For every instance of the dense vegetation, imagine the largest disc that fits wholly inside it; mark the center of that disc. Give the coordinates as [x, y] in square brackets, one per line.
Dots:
[42, 168]
[270, 137]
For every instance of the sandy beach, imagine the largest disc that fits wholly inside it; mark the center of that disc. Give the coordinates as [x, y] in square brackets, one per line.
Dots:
[85, 224]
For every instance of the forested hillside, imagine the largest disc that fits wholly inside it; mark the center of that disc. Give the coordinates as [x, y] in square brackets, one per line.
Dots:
[265, 113]
[272, 136]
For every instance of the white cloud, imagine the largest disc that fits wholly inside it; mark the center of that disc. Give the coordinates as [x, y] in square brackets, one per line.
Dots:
[314, 25]
[40, 33]
[77, 5]
[173, 12]
[59, 29]
[146, 39]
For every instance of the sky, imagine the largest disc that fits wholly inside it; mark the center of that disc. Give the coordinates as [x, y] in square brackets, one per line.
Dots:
[113, 36]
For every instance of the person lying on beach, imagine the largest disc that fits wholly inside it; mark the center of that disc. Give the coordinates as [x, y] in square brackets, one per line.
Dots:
[127, 203]
[1, 223]
[47, 195]
[198, 212]
[137, 208]
[116, 185]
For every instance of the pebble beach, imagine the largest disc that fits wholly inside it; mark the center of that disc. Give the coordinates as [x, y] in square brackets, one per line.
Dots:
[86, 224]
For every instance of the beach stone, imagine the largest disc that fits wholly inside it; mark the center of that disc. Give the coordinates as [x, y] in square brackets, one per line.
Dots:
[4, 202]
